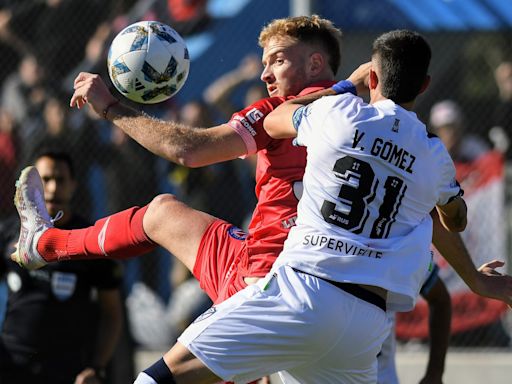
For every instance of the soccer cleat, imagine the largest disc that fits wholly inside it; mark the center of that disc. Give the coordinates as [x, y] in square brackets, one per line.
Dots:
[34, 218]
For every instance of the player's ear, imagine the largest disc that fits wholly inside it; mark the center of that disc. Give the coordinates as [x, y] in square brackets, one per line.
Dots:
[373, 80]
[425, 84]
[316, 63]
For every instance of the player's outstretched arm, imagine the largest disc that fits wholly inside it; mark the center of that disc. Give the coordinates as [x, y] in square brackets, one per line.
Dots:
[189, 146]
[485, 281]
[279, 123]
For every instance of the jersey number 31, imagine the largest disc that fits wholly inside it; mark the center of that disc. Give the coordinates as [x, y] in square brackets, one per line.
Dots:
[357, 192]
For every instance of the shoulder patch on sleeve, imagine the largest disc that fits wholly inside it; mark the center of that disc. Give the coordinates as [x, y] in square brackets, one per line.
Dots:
[297, 116]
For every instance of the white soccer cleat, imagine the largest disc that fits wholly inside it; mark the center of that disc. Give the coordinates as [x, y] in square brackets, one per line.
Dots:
[34, 218]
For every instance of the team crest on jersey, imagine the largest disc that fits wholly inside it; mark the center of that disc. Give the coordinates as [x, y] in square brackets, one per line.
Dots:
[237, 233]
[396, 125]
[297, 116]
[63, 285]
[209, 312]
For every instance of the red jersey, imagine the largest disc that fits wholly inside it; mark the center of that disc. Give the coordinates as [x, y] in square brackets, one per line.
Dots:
[280, 166]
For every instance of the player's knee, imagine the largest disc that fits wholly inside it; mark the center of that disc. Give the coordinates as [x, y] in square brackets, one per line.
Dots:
[163, 205]
[161, 208]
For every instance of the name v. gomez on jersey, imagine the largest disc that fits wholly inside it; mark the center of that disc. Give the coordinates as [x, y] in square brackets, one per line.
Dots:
[373, 175]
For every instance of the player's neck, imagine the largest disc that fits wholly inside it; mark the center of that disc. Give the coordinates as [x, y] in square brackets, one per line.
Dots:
[376, 96]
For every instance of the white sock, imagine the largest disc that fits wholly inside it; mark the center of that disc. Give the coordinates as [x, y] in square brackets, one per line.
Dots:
[144, 378]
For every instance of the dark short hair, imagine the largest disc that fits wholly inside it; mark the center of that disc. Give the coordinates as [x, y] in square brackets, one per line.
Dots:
[56, 155]
[404, 58]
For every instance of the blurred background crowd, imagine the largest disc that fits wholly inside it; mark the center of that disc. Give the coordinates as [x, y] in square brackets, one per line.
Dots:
[44, 44]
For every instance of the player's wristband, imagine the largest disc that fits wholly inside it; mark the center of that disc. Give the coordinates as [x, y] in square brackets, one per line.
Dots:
[104, 113]
[344, 86]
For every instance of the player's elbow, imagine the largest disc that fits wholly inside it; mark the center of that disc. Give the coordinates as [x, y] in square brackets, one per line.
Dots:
[454, 215]
[189, 158]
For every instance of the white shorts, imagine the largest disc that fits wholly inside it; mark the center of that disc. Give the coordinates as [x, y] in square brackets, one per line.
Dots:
[296, 323]
[387, 373]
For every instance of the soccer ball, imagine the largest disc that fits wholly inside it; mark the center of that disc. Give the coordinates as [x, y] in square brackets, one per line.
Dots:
[148, 62]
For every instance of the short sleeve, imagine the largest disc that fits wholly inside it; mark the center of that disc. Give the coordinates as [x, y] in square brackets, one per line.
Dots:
[311, 117]
[248, 123]
[430, 281]
[449, 186]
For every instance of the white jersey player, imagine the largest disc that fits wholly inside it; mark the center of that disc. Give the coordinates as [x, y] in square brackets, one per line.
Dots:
[362, 238]
[373, 175]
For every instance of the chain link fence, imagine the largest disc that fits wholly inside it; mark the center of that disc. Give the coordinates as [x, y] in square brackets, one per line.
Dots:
[44, 44]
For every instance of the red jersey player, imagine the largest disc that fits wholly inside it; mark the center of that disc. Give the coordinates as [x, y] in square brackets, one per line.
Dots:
[300, 55]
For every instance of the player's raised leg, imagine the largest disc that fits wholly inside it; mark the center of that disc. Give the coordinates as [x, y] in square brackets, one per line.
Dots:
[164, 221]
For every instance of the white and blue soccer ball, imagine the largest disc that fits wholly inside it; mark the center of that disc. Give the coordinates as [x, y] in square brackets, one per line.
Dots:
[148, 62]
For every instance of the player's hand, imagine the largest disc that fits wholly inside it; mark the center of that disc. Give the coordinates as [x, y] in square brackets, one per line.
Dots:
[91, 89]
[360, 78]
[494, 284]
[87, 376]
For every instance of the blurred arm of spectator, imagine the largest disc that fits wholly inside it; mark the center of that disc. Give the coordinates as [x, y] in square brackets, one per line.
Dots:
[501, 132]
[439, 304]
[95, 54]
[109, 331]
[187, 301]
[503, 77]
[219, 92]
[7, 35]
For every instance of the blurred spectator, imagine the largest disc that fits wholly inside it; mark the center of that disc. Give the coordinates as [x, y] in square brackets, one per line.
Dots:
[185, 16]
[216, 189]
[9, 157]
[127, 166]
[95, 57]
[447, 122]
[49, 28]
[130, 167]
[23, 96]
[501, 132]
[187, 302]
[469, 153]
[220, 93]
[63, 321]
[82, 141]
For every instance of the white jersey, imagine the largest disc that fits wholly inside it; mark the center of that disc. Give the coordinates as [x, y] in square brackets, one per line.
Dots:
[373, 175]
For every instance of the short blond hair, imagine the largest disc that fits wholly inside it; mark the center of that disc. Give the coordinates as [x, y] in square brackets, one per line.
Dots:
[307, 29]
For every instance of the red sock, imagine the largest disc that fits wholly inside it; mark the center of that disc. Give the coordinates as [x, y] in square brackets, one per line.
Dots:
[118, 236]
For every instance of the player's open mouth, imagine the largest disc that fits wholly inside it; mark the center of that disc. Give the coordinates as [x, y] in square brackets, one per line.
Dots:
[271, 90]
